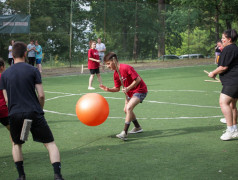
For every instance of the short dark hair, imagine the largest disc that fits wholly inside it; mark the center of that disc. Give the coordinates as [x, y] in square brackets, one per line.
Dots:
[110, 56]
[231, 33]
[19, 49]
[2, 63]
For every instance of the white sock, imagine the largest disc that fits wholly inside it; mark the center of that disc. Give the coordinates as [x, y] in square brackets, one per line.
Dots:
[230, 128]
[234, 127]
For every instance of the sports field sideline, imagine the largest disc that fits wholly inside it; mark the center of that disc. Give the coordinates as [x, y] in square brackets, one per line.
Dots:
[180, 117]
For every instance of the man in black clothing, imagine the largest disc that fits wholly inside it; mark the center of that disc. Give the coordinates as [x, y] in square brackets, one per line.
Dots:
[19, 84]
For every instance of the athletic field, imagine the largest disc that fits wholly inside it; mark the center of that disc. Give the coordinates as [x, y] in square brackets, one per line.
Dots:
[181, 138]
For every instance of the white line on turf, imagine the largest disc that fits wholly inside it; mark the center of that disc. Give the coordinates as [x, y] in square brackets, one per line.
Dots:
[205, 117]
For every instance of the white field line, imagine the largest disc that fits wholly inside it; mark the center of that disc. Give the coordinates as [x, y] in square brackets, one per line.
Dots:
[205, 117]
[157, 102]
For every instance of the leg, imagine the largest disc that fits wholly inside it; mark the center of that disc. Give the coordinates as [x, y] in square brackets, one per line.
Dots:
[226, 103]
[53, 152]
[226, 108]
[91, 80]
[234, 112]
[18, 159]
[54, 159]
[99, 79]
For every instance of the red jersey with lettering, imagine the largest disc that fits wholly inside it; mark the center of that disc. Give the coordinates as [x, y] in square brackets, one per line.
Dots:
[93, 53]
[3, 106]
[128, 75]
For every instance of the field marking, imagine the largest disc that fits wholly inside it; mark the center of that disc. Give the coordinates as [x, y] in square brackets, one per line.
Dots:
[149, 101]
[204, 117]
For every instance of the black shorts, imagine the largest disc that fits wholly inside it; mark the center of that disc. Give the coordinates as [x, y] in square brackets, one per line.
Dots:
[4, 121]
[94, 71]
[39, 128]
[10, 61]
[231, 91]
[32, 60]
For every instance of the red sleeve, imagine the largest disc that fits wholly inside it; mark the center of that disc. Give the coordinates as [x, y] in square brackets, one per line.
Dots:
[117, 81]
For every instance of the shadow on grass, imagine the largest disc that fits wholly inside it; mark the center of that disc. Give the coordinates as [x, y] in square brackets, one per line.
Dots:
[171, 132]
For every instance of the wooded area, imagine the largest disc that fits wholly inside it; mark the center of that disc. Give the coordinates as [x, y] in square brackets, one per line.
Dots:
[135, 29]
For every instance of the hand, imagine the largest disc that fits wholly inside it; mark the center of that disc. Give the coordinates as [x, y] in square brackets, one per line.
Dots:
[211, 75]
[125, 89]
[104, 88]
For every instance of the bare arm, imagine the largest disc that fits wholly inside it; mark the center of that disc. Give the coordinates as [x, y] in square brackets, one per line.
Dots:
[5, 95]
[92, 59]
[218, 70]
[114, 89]
[41, 94]
[132, 85]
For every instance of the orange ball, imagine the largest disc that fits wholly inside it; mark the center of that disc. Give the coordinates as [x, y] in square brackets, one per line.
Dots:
[92, 109]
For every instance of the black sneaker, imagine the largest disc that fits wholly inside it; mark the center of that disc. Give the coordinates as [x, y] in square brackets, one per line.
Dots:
[58, 177]
[23, 177]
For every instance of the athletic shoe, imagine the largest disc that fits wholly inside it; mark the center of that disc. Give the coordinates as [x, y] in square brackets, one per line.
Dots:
[235, 134]
[223, 120]
[122, 135]
[58, 177]
[91, 88]
[227, 135]
[23, 177]
[136, 130]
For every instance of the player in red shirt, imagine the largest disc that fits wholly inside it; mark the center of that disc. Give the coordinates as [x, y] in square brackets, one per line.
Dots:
[3, 107]
[93, 64]
[134, 88]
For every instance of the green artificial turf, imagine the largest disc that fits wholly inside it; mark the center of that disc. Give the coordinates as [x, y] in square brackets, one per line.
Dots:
[181, 138]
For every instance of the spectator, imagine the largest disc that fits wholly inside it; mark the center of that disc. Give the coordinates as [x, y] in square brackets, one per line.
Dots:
[101, 49]
[38, 56]
[31, 53]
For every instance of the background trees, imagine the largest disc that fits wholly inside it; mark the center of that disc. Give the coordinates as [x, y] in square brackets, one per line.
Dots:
[139, 29]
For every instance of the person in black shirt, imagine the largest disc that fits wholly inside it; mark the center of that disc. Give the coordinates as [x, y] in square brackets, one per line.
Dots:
[228, 72]
[19, 84]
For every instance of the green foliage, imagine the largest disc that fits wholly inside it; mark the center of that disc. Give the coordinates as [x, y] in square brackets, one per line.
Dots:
[118, 22]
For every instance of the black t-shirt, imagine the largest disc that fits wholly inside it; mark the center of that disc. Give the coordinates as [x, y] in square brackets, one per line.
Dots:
[229, 58]
[19, 81]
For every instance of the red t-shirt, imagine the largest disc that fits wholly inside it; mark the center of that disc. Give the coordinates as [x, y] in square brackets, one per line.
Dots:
[93, 53]
[3, 106]
[128, 75]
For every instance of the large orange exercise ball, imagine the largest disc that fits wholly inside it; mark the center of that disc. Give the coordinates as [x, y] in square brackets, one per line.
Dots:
[92, 109]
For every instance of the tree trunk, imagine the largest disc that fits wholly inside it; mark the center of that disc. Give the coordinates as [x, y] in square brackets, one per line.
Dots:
[161, 33]
[135, 55]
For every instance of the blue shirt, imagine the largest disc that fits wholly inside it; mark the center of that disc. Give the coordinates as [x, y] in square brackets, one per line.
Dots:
[39, 52]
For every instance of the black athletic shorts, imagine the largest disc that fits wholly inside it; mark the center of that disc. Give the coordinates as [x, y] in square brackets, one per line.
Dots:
[10, 61]
[94, 71]
[31, 60]
[231, 91]
[4, 121]
[39, 128]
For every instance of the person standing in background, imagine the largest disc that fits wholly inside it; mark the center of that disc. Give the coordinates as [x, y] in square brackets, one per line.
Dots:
[10, 58]
[31, 53]
[93, 64]
[101, 49]
[218, 50]
[38, 56]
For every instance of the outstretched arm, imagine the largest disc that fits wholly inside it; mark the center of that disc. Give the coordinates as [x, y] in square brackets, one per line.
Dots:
[114, 89]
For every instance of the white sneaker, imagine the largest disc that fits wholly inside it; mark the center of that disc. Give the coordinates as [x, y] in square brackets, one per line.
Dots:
[136, 130]
[227, 135]
[235, 134]
[91, 88]
[122, 135]
[223, 120]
